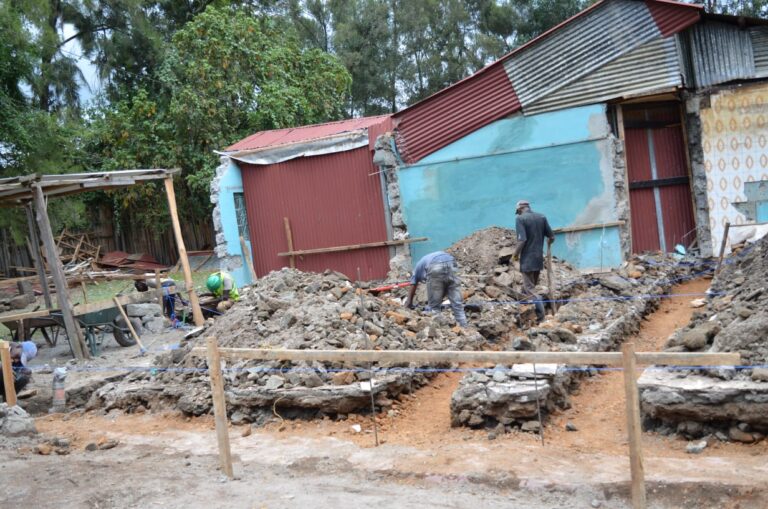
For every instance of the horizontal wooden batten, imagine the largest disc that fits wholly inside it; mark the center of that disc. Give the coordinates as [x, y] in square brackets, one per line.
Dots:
[352, 247]
[507, 358]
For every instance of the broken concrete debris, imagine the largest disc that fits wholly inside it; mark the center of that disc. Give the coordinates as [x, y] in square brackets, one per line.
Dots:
[734, 319]
[295, 310]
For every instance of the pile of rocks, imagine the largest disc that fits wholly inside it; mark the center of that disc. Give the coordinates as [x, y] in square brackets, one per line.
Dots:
[149, 316]
[14, 421]
[723, 400]
[296, 310]
[24, 298]
[601, 312]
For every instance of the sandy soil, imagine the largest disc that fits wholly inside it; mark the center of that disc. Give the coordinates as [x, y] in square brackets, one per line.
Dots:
[170, 461]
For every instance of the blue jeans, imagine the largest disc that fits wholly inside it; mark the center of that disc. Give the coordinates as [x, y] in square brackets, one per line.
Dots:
[441, 283]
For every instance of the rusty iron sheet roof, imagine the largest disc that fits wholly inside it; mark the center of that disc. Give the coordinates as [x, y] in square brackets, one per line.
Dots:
[277, 137]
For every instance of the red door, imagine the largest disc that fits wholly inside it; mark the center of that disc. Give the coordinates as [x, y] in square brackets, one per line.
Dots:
[659, 192]
[330, 200]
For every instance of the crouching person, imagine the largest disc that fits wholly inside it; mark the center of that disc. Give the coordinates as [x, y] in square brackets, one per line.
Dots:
[438, 269]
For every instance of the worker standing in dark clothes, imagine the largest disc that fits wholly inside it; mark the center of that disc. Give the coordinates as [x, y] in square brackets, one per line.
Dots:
[531, 229]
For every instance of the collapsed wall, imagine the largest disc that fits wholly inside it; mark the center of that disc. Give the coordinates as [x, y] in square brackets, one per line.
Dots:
[725, 401]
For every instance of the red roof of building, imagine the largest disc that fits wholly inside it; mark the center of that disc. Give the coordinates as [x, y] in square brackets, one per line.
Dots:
[275, 137]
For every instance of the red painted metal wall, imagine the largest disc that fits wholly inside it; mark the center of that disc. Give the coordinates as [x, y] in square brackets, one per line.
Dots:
[331, 200]
[455, 112]
[662, 123]
[672, 17]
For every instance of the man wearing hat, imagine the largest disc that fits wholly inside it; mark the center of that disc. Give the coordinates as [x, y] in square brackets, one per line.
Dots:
[21, 354]
[531, 229]
[223, 286]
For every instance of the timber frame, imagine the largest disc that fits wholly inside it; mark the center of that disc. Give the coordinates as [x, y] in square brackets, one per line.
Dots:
[33, 191]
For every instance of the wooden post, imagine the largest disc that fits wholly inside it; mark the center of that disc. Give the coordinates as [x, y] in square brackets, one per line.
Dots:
[74, 333]
[247, 258]
[159, 289]
[35, 252]
[129, 324]
[197, 313]
[289, 237]
[219, 406]
[550, 280]
[722, 246]
[10, 389]
[85, 292]
[634, 430]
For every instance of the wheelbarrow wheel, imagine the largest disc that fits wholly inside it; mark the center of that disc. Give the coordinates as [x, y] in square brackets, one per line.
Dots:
[121, 332]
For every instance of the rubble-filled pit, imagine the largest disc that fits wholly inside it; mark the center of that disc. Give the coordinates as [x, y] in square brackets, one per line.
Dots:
[295, 310]
[731, 403]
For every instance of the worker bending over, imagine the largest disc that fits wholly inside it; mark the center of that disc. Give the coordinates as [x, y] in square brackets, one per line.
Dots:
[531, 229]
[223, 286]
[438, 269]
[21, 354]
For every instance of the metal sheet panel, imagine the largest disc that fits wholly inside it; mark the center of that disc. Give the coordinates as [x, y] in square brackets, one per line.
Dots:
[668, 147]
[651, 67]
[759, 36]
[579, 48]
[720, 53]
[645, 229]
[638, 159]
[330, 200]
[677, 209]
[290, 135]
[671, 18]
[437, 122]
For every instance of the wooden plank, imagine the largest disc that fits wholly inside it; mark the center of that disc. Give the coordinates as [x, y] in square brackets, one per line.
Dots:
[634, 430]
[505, 358]
[77, 249]
[289, 237]
[350, 247]
[23, 316]
[197, 313]
[74, 333]
[722, 246]
[585, 227]
[36, 257]
[129, 324]
[5, 358]
[85, 291]
[248, 261]
[219, 406]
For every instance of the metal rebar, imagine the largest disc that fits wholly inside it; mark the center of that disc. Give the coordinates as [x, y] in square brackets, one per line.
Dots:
[538, 405]
[370, 366]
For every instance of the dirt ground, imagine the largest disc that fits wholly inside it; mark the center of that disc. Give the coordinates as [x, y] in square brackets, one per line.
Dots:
[170, 461]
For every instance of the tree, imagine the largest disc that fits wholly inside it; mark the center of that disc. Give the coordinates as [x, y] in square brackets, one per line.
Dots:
[227, 74]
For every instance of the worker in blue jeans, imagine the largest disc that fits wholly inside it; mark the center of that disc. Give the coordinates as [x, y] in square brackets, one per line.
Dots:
[438, 269]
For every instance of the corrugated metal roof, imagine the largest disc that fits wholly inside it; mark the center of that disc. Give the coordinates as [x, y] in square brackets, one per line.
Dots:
[590, 39]
[579, 48]
[720, 53]
[759, 36]
[290, 135]
[651, 67]
[670, 18]
[435, 124]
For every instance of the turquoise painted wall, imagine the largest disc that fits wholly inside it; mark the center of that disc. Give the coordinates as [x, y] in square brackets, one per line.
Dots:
[559, 161]
[231, 182]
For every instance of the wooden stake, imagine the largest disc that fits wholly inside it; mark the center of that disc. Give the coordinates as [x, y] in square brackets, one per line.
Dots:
[197, 313]
[722, 246]
[36, 257]
[289, 237]
[551, 280]
[634, 430]
[129, 324]
[247, 258]
[85, 292]
[74, 333]
[219, 406]
[159, 289]
[10, 389]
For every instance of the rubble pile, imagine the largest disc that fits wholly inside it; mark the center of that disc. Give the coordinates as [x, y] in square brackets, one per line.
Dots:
[732, 402]
[598, 318]
[295, 310]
